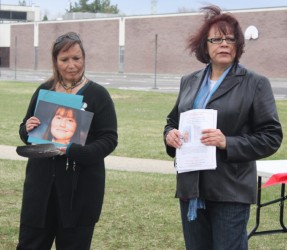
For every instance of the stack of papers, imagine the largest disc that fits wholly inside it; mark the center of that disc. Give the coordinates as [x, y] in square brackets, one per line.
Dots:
[193, 155]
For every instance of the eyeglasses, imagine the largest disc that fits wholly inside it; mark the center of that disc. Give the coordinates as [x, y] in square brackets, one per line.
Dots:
[219, 40]
[72, 36]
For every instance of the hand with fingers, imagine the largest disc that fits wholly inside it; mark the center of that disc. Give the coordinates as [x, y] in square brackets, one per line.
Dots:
[32, 123]
[173, 138]
[213, 137]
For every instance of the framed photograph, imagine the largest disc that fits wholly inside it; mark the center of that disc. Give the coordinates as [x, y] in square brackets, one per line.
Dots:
[60, 124]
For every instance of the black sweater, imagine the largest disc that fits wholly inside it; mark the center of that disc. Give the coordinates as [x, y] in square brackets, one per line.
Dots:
[80, 188]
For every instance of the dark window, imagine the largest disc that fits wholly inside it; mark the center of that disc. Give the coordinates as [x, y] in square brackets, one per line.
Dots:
[5, 14]
[19, 15]
[13, 15]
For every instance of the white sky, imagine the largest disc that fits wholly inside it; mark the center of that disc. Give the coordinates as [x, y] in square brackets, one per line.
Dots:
[56, 8]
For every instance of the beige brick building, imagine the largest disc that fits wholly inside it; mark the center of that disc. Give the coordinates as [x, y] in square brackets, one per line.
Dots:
[131, 44]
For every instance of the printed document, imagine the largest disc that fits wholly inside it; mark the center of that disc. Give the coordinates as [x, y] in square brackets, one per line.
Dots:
[193, 155]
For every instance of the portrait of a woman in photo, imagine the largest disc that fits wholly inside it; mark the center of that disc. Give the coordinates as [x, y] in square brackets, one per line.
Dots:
[63, 126]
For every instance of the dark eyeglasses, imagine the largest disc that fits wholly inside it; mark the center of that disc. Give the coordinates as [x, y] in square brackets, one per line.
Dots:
[219, 40]
[71, 36]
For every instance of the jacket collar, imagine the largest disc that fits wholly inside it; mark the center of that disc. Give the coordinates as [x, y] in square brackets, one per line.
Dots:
[233, 78]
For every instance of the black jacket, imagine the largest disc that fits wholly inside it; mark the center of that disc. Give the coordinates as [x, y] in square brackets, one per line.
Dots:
[80, 188]
[247, 116]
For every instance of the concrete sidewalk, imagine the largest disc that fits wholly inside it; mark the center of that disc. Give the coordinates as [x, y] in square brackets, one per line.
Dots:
[112, 162]
[265, 168]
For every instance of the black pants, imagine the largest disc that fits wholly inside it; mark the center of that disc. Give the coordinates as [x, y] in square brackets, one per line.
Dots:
[78, 238]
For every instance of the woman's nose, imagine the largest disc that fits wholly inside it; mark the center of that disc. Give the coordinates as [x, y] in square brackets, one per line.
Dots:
[63, 123]
[70, 65]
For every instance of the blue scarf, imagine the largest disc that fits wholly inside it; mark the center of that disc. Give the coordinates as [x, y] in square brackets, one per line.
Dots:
[204, 94]
[205, 91]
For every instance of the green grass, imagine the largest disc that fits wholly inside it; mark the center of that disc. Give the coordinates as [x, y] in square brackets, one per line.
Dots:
[141, 118]
[140, 211]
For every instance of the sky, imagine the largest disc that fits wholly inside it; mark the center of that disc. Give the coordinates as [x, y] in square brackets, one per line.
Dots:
[56, 8]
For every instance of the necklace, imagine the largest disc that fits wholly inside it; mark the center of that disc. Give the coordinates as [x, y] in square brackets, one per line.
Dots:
[69, 86]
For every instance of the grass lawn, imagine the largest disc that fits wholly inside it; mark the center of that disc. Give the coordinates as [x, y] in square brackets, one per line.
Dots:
[141, 119]
[140, 211]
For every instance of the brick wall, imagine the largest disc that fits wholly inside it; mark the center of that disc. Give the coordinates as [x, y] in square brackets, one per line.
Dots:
[266, 55]
[22, 52]
[172, 33]
[100, 40]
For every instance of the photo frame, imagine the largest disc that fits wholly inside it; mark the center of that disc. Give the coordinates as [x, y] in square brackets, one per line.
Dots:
[60, 124]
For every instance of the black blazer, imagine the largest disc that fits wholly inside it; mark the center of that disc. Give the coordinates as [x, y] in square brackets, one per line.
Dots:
[247, 116]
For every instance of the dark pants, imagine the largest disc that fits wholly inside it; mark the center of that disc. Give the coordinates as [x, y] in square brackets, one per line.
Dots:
[221, 226]
[77, 238]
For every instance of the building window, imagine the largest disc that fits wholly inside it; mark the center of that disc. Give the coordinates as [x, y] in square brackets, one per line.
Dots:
[13, 15]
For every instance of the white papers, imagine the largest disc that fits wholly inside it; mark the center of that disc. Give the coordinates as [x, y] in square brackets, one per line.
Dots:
[193, 155]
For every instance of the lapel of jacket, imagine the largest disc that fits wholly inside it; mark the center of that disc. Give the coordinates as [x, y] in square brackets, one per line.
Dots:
[194, 83]
[233, 78]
